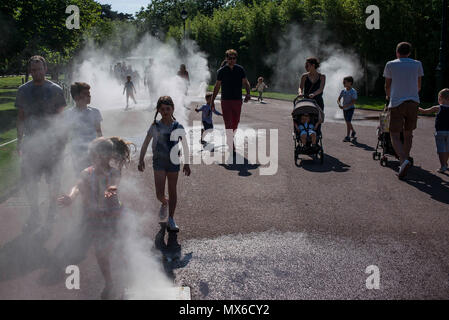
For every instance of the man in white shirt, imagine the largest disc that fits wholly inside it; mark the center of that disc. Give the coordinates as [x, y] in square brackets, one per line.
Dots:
[402, 85]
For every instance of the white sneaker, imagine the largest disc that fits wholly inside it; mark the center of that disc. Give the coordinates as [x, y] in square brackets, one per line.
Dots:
[442, 169]
[171, 225]
[163, 211]
[403, 168]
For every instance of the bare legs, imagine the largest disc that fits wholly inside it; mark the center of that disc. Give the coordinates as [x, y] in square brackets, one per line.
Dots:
[444, 157]
[312, 137]
[349, 127]
[402, 150]
[159, 179]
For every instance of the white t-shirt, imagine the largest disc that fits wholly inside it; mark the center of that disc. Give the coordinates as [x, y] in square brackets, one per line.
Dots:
[404, 73]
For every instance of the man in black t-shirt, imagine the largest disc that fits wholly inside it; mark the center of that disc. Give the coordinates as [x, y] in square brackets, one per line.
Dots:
[40, 137]
[231, 78]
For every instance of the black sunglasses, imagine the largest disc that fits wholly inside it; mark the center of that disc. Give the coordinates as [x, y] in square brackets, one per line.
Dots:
[231, 58]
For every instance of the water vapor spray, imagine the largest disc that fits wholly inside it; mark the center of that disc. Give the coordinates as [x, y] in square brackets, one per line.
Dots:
[296, 46]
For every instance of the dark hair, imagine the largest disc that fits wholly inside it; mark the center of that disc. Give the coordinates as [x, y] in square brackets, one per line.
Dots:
[114, 147]
[404, 48]
[223, 63]
[314, 61]
[230, 52]
[122, 151]
[77, 87]
[209, 95]
[37, 59]
[163, 100]
[349, 79]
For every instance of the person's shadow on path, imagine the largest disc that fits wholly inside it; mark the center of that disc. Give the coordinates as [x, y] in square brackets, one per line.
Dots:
[427, 182]
[71, 250]
[242, 165]
[24, 254]
[171, 251]
[363, 146]
[330, 164]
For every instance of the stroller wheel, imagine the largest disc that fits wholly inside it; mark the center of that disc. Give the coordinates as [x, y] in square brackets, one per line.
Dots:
[384, 162]
[374, 155]
[321, 156]
[378, 155]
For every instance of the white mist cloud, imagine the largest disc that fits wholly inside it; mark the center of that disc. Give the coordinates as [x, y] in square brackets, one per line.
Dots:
[94, 63]
[145, 278]
[336, 63]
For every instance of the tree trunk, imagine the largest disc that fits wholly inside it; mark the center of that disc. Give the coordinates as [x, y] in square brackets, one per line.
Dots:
[365, 74]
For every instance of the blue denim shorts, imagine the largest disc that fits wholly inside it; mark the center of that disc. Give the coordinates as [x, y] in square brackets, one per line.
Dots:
[207, 125]
[165, 164]
[442, 141]
[348, 114]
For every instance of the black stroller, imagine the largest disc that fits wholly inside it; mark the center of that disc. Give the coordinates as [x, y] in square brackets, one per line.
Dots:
[384, 141]
[307, 106]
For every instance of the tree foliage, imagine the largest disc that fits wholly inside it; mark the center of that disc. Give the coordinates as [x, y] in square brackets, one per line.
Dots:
[252, 27]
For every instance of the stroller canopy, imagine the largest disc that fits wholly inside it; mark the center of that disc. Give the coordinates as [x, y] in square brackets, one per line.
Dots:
[302, 106]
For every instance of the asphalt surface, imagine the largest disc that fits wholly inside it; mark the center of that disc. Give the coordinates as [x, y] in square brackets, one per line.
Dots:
[302, 233]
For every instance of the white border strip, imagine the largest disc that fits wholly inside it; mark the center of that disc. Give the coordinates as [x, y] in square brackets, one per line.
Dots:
[2, 145]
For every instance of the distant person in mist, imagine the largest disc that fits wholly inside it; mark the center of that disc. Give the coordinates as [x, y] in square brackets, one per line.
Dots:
[40, 137]
[83, 125]
[184, 74]
[260, 87]
[166, 164]
[231, 78]
[98, 187]
[130, 90]
[402, 85]
[148, 78]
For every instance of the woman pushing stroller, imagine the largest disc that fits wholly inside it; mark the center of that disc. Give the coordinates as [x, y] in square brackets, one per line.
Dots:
[312, 82]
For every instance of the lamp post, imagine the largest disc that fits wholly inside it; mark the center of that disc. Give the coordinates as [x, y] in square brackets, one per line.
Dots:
[441, 69]
[184, 17]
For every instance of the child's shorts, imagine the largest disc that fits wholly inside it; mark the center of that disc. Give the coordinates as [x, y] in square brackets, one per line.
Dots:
[348, 114]
[442, 141]
[306, 132]
[207, 125]
[165, 164]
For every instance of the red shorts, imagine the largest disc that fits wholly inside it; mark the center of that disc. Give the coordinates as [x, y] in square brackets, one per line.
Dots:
[231, 113]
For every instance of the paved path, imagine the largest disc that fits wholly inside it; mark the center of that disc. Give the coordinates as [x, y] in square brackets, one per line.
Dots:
[303, 233]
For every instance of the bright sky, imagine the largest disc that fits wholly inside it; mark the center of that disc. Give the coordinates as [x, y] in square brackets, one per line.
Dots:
[126, 6]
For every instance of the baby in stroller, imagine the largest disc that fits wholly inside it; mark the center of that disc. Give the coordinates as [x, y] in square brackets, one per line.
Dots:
[306, 132]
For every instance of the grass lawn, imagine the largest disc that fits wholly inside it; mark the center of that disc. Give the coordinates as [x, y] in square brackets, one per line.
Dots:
[9, 161]
[363, 102]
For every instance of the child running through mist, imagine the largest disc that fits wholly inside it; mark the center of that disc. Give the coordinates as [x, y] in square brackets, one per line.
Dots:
[441, 127]
[98, 188]
[349, 96]
[165, 157]
[130, 90]
[206, 116]
[260, 86]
